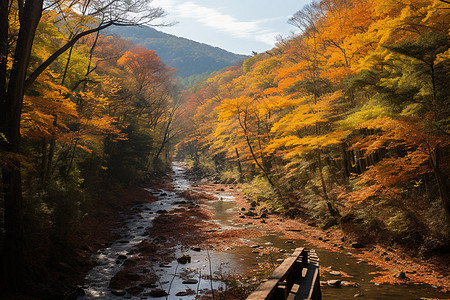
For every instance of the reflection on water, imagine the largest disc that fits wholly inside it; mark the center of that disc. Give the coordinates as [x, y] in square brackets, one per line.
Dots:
[234, 260]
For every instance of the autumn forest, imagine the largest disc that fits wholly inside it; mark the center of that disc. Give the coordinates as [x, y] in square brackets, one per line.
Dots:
[345, 124]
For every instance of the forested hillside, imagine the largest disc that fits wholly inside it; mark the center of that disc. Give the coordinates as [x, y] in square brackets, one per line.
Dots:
[187, 56]
[346, 123]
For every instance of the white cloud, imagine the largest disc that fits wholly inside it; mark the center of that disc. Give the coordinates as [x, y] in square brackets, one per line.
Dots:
[213, 18]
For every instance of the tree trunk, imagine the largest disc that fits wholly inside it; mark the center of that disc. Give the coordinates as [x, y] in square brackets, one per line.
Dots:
[239, 164]
[442, 181]
[3, 47]
[266, 174]
[43, 160]
[333, 211]
[346, 165]
[10, 110]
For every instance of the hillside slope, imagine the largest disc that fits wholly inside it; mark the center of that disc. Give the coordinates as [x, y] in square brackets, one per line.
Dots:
[187, 56]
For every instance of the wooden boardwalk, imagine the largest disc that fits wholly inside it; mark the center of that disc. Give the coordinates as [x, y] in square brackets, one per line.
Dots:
[297, 278]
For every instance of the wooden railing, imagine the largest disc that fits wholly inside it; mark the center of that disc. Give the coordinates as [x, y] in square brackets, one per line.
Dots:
[296, 278]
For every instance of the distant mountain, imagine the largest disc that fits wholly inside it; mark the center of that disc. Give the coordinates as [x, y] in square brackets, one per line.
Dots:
[187, 56]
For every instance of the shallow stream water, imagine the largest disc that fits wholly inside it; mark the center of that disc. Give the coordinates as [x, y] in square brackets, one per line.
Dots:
[234, 260]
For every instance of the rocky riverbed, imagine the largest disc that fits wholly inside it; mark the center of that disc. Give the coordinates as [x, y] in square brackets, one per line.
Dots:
[197, 234]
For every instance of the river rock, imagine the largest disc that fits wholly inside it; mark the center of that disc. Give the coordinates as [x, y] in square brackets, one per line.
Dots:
[401, 276]
[197, 249]
[335, 273]
[357, 245]
[148, 285]
[360, 261]
[190, 281]
[334, 283]
[349, 283]
[358, 295]
[135, 290]
[133, 276]
[289, 242]
[118, 292]
[158, 293]
[184, 259]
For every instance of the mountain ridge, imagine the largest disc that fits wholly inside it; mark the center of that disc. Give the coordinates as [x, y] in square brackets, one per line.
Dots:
[187, 56]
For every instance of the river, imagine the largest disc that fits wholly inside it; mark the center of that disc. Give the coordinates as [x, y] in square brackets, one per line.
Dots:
[234, 260]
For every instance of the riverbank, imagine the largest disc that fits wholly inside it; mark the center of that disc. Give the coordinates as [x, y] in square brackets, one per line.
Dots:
[59, 273]
[191, 226]
[399, 266]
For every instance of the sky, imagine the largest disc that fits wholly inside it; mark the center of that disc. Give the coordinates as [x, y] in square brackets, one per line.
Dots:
[238, 26]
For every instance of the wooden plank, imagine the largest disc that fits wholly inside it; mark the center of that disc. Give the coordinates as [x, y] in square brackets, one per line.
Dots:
[286, 265]
[311, 282]
[293, 292]
[268, 288]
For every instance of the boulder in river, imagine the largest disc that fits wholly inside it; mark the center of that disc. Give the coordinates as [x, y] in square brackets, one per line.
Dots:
[401, 275]
[334, 283]
[118, 292]
[190, 281]
[184, 293]
[349, 283]
[357, 245]
[335, 273]
[135, 290]
[184, 259]
[158, 293]
[148, 285]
